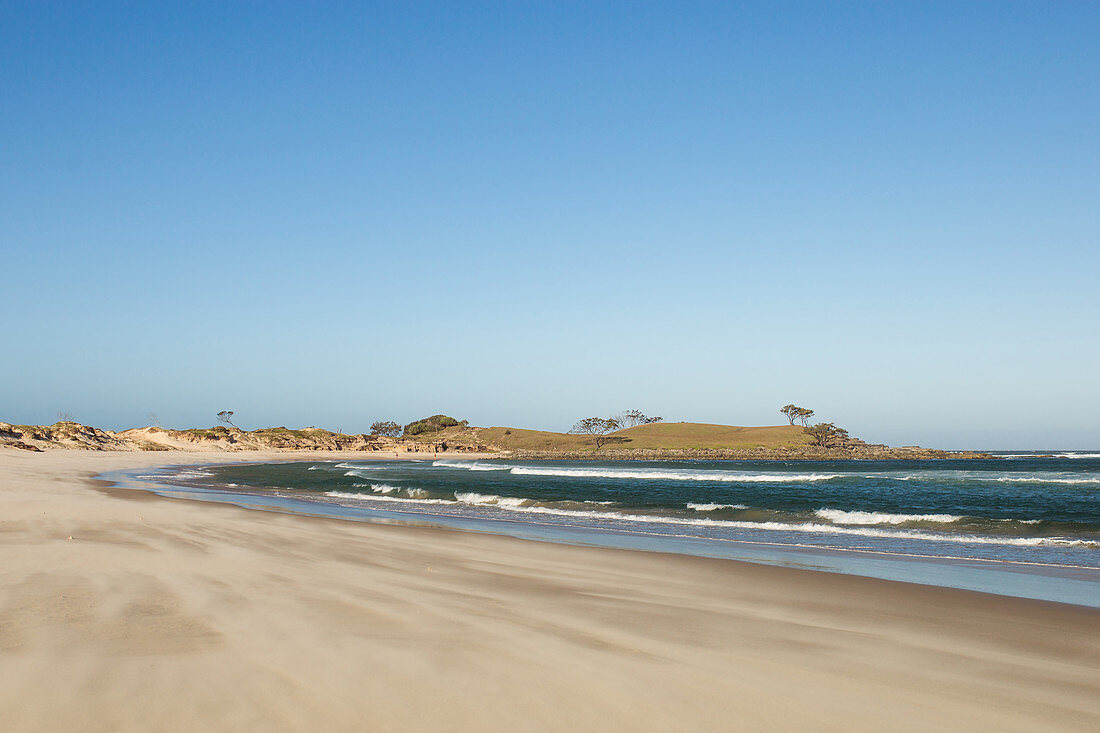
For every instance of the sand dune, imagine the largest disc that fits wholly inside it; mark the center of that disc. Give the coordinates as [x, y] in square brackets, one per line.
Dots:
[124, 611]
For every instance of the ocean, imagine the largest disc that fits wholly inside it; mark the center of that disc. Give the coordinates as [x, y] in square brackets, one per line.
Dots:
[1020, 524]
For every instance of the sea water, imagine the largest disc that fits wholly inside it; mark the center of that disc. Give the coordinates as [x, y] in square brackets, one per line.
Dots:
[1021, 523]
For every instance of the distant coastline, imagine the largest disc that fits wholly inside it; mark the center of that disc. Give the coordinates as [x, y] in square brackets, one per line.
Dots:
[656, 441]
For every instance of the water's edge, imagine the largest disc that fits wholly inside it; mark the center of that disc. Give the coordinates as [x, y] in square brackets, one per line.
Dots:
[1072, 585]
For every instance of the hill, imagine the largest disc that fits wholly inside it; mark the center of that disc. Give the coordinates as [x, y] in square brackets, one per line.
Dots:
[655, 436]
[673, 440]
[650, 441]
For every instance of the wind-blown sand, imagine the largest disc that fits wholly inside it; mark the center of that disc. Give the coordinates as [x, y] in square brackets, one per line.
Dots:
[167, 615]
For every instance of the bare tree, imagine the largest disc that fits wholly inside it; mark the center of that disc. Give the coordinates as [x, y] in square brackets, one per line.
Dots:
[634, 418]
[65, 417]
[226, 416]
[597, 427]
[153, 419]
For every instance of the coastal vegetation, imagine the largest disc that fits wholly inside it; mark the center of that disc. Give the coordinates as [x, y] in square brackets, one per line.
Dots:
[598, 429]
[432, 424]
[795, 413]
[825, 434]
[389, 428]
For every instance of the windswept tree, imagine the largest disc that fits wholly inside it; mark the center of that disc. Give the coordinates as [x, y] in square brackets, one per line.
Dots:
[226, 416]
[597, 427]
[385, 427]
[826, 434]
[634, 418]
[795, 413]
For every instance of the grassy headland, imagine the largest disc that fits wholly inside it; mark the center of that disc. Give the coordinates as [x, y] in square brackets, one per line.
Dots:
[656, 440]
[670, 440]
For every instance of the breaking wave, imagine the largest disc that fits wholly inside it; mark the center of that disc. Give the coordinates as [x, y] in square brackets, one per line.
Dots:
[713, 507]
[375, 497]
[666, 474]
[839, 516]
[530, 506]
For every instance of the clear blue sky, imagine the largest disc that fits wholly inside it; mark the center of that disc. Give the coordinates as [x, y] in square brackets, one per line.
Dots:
[526, 213]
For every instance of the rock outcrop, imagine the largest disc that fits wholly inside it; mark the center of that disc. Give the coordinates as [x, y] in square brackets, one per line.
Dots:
[74, 436]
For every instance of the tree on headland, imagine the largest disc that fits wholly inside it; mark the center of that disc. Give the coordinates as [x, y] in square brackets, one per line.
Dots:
[385, 427]
[825, 434]
[597, 427]
[226, 416]
[634, 418]
[796, 413]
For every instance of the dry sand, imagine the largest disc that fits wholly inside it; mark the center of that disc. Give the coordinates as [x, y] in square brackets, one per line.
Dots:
[168, 615]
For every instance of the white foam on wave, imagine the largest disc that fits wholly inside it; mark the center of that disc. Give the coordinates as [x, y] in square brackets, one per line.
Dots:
[639, 474]
[839, 516]
[191, 474]
[471, 497]
[713, 507]
[1078, 455]
[472, 465]
[984, 476]
[806, 527]
[1047, 480]
[358, 466]
[411, 492]
[375, 497]
[673, 474]
[360, 472]
[522, 505]
[668, 474]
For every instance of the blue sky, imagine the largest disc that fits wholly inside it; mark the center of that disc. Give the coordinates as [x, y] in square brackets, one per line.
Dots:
[527, 213]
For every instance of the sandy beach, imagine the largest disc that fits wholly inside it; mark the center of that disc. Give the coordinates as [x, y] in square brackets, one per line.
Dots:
[120, 610]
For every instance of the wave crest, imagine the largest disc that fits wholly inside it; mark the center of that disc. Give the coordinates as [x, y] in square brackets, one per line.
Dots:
[713, 507]
[839, 516]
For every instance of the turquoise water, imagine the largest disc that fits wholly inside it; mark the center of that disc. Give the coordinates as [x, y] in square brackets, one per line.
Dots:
[1021, 520]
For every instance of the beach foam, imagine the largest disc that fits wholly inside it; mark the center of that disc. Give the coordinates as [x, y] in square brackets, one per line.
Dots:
[375, 497]
[839, 516]
[713, 507]
[472, 465]
[673, 475]
[528, 506]
[470, 497]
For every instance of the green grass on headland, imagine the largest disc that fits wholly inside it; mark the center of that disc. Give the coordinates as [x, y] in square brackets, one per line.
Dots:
[655, 436]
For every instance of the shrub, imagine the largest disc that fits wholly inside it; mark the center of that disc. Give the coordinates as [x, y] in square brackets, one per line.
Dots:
[431, 424]
[385, 427]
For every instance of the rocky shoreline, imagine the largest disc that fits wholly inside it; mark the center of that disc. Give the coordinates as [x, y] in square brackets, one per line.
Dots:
[75, 436]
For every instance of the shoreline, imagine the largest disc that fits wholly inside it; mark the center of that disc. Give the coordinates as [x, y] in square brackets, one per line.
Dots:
[1047, 581]
[173, 615]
